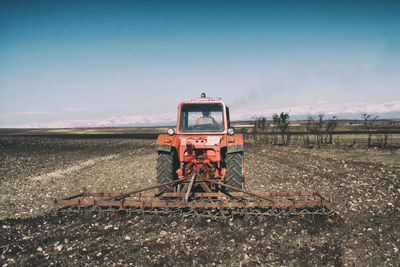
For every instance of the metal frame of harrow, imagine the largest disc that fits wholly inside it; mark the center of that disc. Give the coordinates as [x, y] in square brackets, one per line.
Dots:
[208, 204]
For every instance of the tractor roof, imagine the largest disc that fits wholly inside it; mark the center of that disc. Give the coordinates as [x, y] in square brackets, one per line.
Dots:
[203, 100]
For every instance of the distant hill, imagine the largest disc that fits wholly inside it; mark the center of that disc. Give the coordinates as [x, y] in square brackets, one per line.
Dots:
[342, 116]
[351, 116]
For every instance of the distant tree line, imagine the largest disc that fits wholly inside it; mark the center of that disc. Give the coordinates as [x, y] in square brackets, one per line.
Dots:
[316, 130]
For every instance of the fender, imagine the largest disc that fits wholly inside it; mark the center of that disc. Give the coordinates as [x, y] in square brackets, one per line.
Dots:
[165, 142]
[233, 143]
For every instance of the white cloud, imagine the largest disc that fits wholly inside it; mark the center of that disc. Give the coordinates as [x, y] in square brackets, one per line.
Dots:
[75, 109]
[317, 108]
[33, 112]
[160, 119]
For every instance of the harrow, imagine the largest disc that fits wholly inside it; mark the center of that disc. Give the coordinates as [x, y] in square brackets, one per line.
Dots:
[189, 201]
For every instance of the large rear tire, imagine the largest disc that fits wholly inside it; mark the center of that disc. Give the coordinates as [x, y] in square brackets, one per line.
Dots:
[234, 171]
[166, 170]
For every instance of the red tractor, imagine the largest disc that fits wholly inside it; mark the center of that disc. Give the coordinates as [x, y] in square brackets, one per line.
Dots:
[203, 145]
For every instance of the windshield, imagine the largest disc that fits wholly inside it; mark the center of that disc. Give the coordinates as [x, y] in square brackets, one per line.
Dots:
[201, 118]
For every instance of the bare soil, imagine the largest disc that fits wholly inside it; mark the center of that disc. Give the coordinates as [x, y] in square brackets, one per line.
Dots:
[363, 185]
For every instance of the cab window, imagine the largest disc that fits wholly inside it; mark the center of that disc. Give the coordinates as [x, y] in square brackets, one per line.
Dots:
[201, 118]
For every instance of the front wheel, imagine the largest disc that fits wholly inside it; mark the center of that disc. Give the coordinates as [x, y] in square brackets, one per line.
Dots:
[234, 171]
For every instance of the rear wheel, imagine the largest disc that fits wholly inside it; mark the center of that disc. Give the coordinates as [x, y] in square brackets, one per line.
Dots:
[234, 171]
[166, 170]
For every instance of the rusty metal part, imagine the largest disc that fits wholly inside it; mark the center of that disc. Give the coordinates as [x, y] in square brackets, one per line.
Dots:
[193, 204]
[208, 204]
[189, 189]
[202, 208]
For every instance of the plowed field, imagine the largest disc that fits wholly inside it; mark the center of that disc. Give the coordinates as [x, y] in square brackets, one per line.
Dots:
[363, 185]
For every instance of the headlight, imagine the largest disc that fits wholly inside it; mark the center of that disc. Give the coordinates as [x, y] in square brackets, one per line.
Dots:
[171, 131]
[231, 131]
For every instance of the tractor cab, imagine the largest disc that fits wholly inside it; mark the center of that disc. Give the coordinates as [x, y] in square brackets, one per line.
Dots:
[201, 118]
[202, 115]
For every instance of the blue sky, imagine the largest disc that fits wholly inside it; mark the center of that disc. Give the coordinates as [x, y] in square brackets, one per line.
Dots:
[105, 63]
